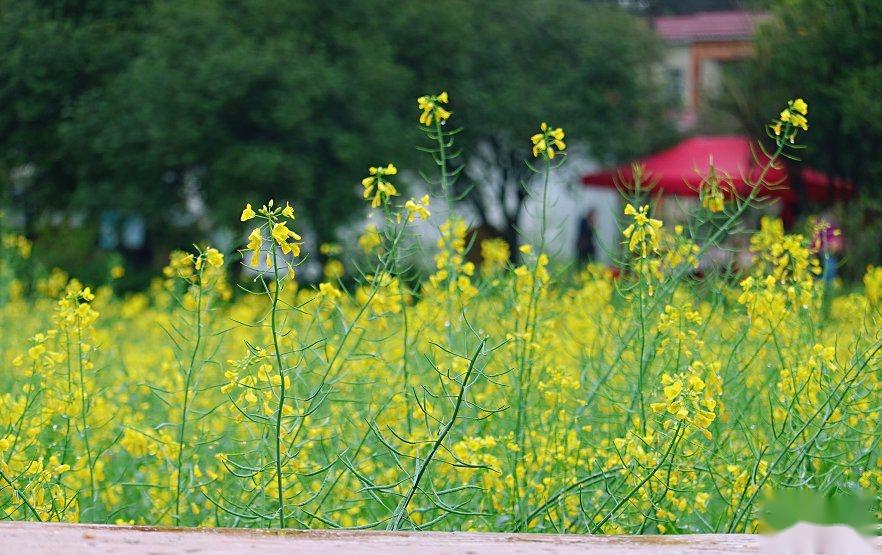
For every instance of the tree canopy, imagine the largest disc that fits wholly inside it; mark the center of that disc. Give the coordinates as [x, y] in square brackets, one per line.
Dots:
[137, 106]
[830, 54]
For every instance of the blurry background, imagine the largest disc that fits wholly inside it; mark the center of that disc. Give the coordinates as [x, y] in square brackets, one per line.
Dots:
[128, 129]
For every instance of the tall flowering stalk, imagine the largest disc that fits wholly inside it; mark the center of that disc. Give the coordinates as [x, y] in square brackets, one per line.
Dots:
[531, 281]
[275, 220]
[75, 318]
[275, 235]
[433, 119]
[642, 236]
[201, 275]
[547, 144]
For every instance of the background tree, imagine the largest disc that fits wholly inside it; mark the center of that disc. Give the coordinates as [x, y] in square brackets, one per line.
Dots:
[829, 53]
[54, 53]
[587, 68]
[670, 7]
[244, 101]
[182, 111]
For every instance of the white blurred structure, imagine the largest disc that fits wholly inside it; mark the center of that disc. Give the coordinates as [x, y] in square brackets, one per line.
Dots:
[567, 201]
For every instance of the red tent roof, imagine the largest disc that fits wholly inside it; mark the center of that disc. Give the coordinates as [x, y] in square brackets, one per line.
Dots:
[681, 169]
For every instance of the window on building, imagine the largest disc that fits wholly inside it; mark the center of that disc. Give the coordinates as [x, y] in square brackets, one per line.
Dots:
[675, 84]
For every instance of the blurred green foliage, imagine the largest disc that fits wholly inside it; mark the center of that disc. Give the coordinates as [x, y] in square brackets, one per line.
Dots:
[130, 105]
[834, 55]
[788, 507]
[830, 54]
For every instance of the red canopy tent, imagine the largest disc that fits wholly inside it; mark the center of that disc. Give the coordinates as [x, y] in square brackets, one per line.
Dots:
[680, 170]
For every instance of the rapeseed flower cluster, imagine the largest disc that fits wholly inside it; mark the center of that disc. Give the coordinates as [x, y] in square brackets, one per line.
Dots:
[272, 235]
[494, 255]
[643, 232]
[377, 186]
[547, 140]
[791, 120]
[712, 189]
[687, 398]
[432, 111]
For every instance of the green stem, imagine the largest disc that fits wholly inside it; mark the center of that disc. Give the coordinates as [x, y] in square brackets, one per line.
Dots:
[83, 415]
[187, 399]
[20, 496]
[635, 489]
[402, 508]
[281, 404]
[641, 377]
[442, 164]
[526, 351]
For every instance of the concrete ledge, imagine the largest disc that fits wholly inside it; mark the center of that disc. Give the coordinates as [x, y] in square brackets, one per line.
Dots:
[26, 537]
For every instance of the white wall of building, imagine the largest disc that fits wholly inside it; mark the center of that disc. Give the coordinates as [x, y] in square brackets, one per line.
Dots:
[677, 65]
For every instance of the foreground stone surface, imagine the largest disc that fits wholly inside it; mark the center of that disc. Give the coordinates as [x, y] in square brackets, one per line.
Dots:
[25, 537]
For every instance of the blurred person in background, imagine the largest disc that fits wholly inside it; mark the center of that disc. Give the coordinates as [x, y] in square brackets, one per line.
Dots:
[827, 242]
[586, 248]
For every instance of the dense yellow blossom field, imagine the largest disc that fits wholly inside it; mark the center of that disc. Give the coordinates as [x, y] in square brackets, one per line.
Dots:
[506, 396]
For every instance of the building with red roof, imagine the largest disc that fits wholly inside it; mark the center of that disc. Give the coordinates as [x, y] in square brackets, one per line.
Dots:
[699, 46]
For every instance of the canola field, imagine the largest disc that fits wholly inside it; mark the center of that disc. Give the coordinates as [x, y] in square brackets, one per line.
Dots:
[507, 395]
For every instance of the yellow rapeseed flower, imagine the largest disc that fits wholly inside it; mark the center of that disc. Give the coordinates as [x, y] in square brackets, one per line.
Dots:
[791, 119]
[370, 239]
[281, 234]
[334, 269]
[547, 140]
[248, 213]
[329, 291]
[214, 257]
[642, 234]
[432, 110]
[377, 187]
[255, 244]
[417, 209]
